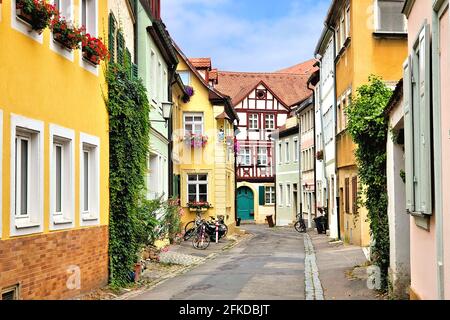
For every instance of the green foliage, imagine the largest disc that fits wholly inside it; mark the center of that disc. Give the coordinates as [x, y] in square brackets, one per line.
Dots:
[129, 127]
[368, 127]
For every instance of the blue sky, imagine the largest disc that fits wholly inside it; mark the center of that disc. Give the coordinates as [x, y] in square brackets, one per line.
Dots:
[246, 35]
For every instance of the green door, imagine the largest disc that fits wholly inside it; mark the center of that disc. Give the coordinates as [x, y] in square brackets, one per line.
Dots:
[245, 203]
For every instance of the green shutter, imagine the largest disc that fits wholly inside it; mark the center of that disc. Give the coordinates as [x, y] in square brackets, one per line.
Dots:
[262, 195]
[409, 136]
[135, 72]
[127, 62]
[424, 86]
[120, 47]
[112, 37]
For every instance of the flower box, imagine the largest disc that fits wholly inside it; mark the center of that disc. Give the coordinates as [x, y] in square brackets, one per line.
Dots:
[68, 36]
[195, 140]
[198, 206]
[37, 13]
[94, 51]
[198, 210]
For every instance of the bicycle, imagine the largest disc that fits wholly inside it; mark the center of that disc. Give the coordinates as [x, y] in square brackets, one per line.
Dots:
[189, 229]
[300, 225]
[202, 239]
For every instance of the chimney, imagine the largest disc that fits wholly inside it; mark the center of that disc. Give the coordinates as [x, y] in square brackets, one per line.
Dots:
[156, 9]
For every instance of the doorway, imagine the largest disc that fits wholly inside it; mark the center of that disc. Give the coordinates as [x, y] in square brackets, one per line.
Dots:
[245, 203]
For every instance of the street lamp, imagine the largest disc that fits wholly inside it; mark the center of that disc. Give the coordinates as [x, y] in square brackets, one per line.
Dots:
[166, 111]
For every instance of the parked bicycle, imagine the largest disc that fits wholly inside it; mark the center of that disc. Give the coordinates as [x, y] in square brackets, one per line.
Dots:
[300, 225]
[201, 239]
[210, 226]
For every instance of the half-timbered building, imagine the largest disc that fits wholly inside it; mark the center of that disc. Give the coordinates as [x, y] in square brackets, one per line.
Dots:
[262, 102]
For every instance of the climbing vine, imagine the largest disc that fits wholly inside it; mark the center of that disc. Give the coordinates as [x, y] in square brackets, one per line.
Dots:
[129, 128]
[368, 127]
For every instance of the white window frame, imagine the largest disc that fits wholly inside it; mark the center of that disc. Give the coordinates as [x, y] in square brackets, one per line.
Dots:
[55, 46]
[66, 138]
[33, 223]
[252, 118]
[280, 160]
[287, 151]
[271, 119]
[270, 191]
[280, 195]
[262, 155]
[197, 183]
[188, 76]
[23, 27]
[243, 156]
[347, 21]
[193, 122]
[377, 22]
[94, 69]
[288, 195]
[92, 215]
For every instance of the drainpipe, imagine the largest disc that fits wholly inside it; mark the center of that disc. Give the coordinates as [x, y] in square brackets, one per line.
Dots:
[300, 185]
[314, 141]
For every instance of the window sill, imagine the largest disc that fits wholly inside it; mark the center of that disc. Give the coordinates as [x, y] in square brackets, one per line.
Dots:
[62, 220]
[88, 217]
[390, 35]
[25, 223]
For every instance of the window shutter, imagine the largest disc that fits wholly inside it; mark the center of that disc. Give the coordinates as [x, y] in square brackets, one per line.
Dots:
[120, 47]
[424, 86]
[112, 37]
[262, 198]
[409, 135]
[134, 68]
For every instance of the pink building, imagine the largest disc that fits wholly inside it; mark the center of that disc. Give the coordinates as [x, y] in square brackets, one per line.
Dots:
[426, 105]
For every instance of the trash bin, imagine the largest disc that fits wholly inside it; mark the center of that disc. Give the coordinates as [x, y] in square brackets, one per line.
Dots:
[238, 222]
[319, 221]
[270, 221]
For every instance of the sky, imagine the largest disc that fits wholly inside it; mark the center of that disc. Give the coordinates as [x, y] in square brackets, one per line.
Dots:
[246, 35]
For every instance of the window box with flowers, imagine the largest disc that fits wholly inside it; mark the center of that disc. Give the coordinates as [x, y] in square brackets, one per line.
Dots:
[189, 92]
[319, 155]
[195, 140]
[94, 50]
[199, 206]
[37, 13]
[66, 34]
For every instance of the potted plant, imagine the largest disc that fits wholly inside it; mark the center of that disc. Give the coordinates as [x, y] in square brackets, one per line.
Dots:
[195, 140]
[199, 206]
[66, 34]
[37, 13]
[94, 50]
[319, 155]
[189, 92]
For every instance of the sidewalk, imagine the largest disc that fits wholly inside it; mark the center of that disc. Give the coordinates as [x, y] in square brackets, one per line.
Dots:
[342, 270]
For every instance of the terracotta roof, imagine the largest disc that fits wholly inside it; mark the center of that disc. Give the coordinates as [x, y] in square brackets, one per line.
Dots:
[213, 74]
[306, 67]
[289, 88]
[201, 62]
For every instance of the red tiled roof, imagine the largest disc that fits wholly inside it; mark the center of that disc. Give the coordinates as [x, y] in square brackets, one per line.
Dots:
[213, 74]
[201, 62]
[306, 67]
[289, 88]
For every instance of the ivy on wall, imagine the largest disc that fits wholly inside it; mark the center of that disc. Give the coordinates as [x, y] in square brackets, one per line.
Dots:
[368, 127]
[129, 127]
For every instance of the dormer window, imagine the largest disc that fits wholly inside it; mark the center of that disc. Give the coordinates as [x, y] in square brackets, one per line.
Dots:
[261, 94]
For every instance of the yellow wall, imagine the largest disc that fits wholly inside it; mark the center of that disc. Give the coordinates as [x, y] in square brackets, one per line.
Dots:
[365, 55]
[211, 159]
[40, 84]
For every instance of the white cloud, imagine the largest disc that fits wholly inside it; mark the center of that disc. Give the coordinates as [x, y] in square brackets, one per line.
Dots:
[207, 28]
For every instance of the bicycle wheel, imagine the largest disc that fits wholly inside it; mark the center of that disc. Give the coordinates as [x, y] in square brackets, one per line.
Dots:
[300, 227]
[225, 227]
[189, 234]
[189, 225]
[199, 243]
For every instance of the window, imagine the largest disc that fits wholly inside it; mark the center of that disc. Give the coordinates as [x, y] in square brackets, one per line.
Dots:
[280, 160]
[156, 176]
[347, 195]
[355, 195]
[253, 121]
[65, 8]
[89, 179]
[270, 195]
[89, 16]
[185, 77]
[197, 188]
[193, 123]
[343, 31]
[27, 170]
[417, 117]
[338, 39]
[11, 293]
[389, 17]
[296, 153]
[262, 156]
[280, 195]
[288, 195]
[347, 22]
[245, 157]
[62, 175]
[270, 121]
[287, 151]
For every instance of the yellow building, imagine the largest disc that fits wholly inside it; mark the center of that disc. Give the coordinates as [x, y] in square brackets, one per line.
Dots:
[54, 164]
[203, 172]
[370, 38]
